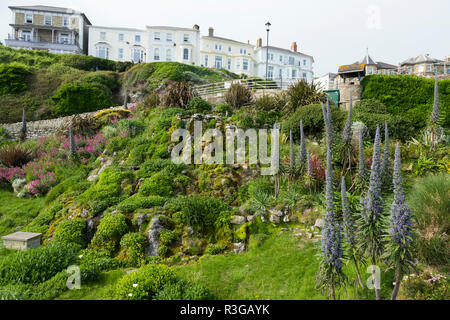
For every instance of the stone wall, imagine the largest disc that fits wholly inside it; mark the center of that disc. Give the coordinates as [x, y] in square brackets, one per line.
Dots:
[41, 128]
[345, 90]
[218, 98]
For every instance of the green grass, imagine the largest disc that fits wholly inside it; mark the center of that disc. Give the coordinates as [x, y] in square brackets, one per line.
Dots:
[16, 212]
[282, 268]
[100, 290]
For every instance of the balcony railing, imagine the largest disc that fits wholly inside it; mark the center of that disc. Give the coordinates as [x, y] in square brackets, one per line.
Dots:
[38, 39]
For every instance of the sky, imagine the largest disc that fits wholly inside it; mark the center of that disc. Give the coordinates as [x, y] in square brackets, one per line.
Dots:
[334, 32]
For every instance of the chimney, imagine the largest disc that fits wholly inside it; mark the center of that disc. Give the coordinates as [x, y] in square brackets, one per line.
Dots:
[259, 43]
[211, 32]
[294, 46]
[196, 27]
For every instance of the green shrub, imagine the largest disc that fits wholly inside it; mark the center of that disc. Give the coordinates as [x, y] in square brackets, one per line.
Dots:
[426, 286]
[408, 96]
[73, 98]
[159, 184]
[131, 126]
[71, 232]
[144, 283]
[215, 248]
[106, 78]
[36, 265]
[257, 240]
[137, 201]
[13, 78]
[223, 109]
[150, 167]
[152, 100]
[109, 232]
[429, 200]
[167, 237]
[238, 95]
[312, 117]
[198, 105]
[134, 243]
[184, 290]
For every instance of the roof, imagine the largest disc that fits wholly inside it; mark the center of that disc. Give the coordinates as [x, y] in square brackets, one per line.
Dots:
[50, 9]
[287, 51]
[117, 28]
[384, 65]
[21, 236]
[225, 39]
[420, 59]
[367, 60]
[172, 28]
[355, 67]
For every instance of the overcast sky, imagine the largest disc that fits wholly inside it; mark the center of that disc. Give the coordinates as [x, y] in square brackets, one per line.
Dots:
[334, 32]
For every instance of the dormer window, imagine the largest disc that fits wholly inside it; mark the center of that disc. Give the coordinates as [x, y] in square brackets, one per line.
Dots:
[28, 18]
[157, 36]
[48, 20]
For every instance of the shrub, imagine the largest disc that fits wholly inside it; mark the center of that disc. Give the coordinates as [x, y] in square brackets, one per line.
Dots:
[184, 290]
[301, 94]
[215, 248]
[178, 94]
[73, 98]
[93, 262]
[271, 102]
[144, 283]
[37, 265]
[167, 237]
[109, 232]
[71, 232]
[198, 105]
[429, 200]
[131, 127]
[13, 78]
[150, 167]
[312, 117]
[134, 243]
[159, 184]
[426, 286]
[14, 156]
[238, 95]
[137, 201]
[152, 100]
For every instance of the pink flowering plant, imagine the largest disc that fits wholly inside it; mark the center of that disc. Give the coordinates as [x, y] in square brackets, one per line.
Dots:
[42, 185]
[8, 175]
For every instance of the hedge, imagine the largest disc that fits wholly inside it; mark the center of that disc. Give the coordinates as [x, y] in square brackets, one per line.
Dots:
[13, 78]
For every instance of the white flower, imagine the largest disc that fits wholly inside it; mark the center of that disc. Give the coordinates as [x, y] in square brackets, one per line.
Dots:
[135, 285]
[130, 294]
[80, 256]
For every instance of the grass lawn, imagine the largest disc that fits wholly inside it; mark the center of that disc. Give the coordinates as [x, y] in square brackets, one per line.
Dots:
[16, 212]
[284, 267]
[100, 290]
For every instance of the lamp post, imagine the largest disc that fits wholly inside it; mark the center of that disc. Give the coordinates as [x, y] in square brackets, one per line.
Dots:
[267, 49]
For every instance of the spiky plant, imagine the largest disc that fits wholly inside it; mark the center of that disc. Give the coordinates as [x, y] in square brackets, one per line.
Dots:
[302, 152]
[309, 177]
[372, 222]
[362, 176]
[291, 150]
[328, 125]
[435, 113]
[330, 276]
[23, 131]
[385, 165]
[347, 132]
[400, 239]
[72, 141]
[349, 227]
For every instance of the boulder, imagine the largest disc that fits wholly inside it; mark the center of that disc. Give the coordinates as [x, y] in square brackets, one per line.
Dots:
[250, 218]
[274, 218]
[239, 247]
[19, 184]
[238, 220]
[279, 213]
[153, 237]
[319, 223]
[286, 219]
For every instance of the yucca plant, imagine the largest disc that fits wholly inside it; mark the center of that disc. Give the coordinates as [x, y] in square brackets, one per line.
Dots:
[238, 95]
[12, 156]
[178, 94]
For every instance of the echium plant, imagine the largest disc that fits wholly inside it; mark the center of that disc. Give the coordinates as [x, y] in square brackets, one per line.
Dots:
[385, 165]
[328, 126]
[310, 170]
[363, 174]
[435, 113]
[330, 276]
[73, 149]
[399, 251]
[372, 223]
[347, 132]
[349, 227]
[23, 131]
[291, 150]
[302, 152]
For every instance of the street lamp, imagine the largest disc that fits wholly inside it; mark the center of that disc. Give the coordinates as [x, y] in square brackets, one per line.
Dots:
[267, 49]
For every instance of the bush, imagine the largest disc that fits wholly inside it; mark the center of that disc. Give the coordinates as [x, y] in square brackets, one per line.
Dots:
[14, 156]
[215, 248]
[109, 232]
[312, 117]
[137, 201]
[238, 95]
[71, 232]
[159, 184]
[167, 237]
[130, 126]
[150, 167]
[426, 286]
[271, 102]
[198, 105]
[178, 94]
[184, 290]
[152, 100]
[429, 200]
[13, 78]
[73, 98]
[399, 127]
[408, 96]
[144, 283]
[135, 244]
[301, 94]
[36, 265]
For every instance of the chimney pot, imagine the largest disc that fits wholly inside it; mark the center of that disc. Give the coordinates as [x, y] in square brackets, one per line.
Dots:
[259, 43]
[294, 46]
[211, 32]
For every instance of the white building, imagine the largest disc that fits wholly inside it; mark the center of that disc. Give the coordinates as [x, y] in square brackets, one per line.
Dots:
[174, 44]
[55, 29]
[283, 64]
[326, 82]
[222, 53]
[119, 44]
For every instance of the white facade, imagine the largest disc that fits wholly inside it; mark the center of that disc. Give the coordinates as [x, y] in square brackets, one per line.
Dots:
[119, 44]
[174, 44]
[231, 55]
[284, 64]
[326, 82]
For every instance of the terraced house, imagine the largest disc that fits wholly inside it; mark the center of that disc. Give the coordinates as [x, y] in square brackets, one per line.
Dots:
[57, 30]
